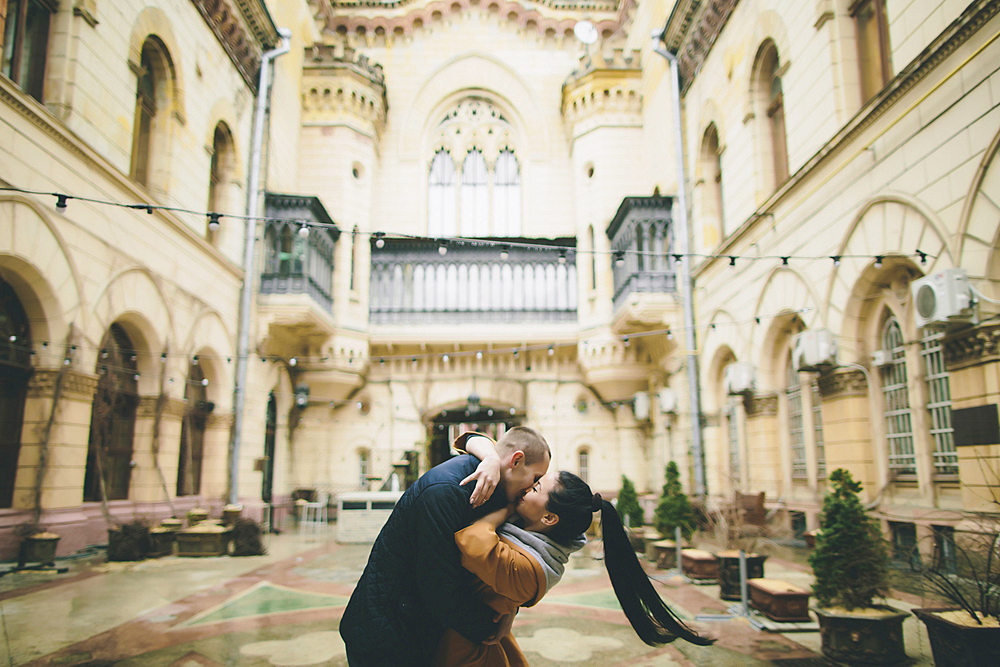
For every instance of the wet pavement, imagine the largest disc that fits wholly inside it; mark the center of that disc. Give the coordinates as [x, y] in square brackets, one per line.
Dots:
[282, 609]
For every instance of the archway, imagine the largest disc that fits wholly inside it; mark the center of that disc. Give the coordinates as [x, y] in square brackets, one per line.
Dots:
[15, 371]
[451, 422]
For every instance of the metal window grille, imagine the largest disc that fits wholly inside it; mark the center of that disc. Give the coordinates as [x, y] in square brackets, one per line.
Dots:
[796, 432]
[734, 437]
[896, 392]
[363, 469]
[584, 465]
[817, 408]
[939, 404]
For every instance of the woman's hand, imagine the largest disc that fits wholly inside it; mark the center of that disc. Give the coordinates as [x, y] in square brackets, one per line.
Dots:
[486, 476]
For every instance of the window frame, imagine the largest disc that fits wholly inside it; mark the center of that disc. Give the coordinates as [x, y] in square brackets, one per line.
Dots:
[16, 30]
[869, 88]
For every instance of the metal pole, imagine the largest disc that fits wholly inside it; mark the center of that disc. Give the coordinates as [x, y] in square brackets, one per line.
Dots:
[687, 286]
[253, 195]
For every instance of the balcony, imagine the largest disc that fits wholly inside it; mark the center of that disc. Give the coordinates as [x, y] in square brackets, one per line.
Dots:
[412, 283]
[295, 264]
[641, 236]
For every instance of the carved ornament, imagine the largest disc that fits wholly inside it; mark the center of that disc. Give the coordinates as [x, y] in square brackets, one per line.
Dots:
[75, 384]
[972, 347]
[174, 408]
[763, 405]
[847, 383]
[244, 29]
[693, 33]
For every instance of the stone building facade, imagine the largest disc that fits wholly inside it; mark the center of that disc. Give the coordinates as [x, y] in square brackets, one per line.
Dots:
[469, 220]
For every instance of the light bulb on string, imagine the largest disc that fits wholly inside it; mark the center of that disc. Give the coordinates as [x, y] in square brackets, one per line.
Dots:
[379, 239]
[304, 231]
[204, 382]
[552, 350]
[562, 256]
[836, 260]
[479, 354]
[445, 358]
[442, 247]
[293, 361]
[619, 258]
[878, 261]
[213, 222]
[61, 203]
[504, 252]
[923, 256]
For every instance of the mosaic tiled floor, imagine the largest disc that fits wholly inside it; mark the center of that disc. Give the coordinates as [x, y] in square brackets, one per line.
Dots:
[283, 610]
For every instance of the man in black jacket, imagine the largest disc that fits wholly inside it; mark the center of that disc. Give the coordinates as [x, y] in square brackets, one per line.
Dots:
[414, 584]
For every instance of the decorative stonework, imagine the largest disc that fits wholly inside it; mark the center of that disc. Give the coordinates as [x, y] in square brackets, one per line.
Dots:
[147, 408]
[396, 19]
[219, 420]
[609, 93]
[765, 405]
[847, 383]
[337, 84]
[972, 347]
[245, 30]
[75, 384]
[693, 33]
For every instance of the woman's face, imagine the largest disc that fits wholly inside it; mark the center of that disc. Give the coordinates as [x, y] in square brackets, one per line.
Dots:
[531, 506]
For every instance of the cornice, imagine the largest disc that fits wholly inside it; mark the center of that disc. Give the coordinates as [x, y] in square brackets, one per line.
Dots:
[74, 383]
[173, 407]
[761, 405]
[972, 347]
[244, 29]
[845, 383]
[692, 30]
[371, 20]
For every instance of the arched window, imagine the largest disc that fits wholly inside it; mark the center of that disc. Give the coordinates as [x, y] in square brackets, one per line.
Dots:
[221, 176]
[733, 437]
[796, 429]
[196, 412]
[15, 371]
[363, 468]
[896, 394]
[711, 198]
[26, 43]
[475, 195]
[939, 403]
[145, 112]
[112, 419]
[770, 110]
[820, 442]
[507, 196]
[874, 64]
[583, 464]
[441, 202]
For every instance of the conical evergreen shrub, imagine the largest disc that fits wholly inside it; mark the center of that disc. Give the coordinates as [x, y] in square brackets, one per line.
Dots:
[674, 509]
[628, 504]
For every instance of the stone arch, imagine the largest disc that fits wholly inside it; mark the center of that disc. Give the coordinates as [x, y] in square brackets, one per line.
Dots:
[34, 259]
[720, 348]
[210, 339]
[463, 77]
[223, 112]
[892, 225]
[769, 26]
[153, 21]
[785, 295]
[979, 226]
[134, 299]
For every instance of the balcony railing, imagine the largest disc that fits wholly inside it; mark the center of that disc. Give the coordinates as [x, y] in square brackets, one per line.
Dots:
[641, 236]
[412, 283]
[296, 264]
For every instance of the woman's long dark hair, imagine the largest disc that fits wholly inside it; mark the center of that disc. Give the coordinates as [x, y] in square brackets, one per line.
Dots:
[574, 503]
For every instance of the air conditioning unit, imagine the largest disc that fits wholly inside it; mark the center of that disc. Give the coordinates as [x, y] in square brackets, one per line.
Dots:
[943, 299]
[668, 401]
[814, 350]
[640, 406]
[739, 378]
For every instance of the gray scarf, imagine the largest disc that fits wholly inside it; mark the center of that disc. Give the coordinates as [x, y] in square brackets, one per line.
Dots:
[551, 555]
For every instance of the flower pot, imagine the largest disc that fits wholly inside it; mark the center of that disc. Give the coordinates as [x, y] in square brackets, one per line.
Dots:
[729, 572]
[958, 645]
[172, 524]
[129, 542]
[162, 540]
[38, 548]
[196, 515]
[872, 636]
[230, 513]
[699, 564]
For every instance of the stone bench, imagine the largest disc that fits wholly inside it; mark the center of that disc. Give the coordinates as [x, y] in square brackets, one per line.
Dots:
[779, 600]
[699, 564]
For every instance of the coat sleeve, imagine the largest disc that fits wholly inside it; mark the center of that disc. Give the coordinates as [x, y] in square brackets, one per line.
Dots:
[440, 511]
[507, 570]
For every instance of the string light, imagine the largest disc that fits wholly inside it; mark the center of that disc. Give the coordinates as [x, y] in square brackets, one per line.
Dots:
[836, 260]
[304, 231]
[732, 260]
[878, 261]
[619, 258]
[784, 261]
[379, 239]
[442, 247]
[61, 203]
[504, 252]
[562, 256]
[213, 222]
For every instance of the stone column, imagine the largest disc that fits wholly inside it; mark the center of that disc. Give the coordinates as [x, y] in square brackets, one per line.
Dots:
[847, 427]
[762, 470]
[146, 485]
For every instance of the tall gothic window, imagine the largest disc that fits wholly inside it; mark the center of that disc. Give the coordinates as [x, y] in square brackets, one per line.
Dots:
[796, 428]
[112, 419]
[192, 451]
[733, 437]
[475, 204]
[939, 403]
[820, 442]
[896, 393]
[145, 112]
[15, 371]
[363, 469]
[474, 183]
[221, 175]
[873, 46]
[26, 43]
[583, 464]
[711, 172]
[770, 110]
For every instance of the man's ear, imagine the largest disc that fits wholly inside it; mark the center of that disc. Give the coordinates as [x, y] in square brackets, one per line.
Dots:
[516, 457]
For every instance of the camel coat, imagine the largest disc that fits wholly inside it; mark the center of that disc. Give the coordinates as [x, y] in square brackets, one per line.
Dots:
[511, 579]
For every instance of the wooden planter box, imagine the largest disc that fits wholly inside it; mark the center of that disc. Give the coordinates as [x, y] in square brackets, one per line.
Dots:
[664, 554]
[779, 600]
[162, 542]
[729, 572]
[699, 564]
[196, 516]
[230, 513]
[862, 639]
[38, 549]
[955, 645]
[196, 543]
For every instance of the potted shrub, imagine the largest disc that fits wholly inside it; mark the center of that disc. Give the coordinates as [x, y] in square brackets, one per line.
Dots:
[247, 540]
[851, 567]
[37, 545]
[966, 631]
[129, 541]
[672, 512]
[631, 513]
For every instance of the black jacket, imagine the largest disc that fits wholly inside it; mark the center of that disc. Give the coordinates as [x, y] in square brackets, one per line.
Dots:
[414, 585]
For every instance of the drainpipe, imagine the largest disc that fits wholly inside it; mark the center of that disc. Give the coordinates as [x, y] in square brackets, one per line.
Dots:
[246, 294]
[687, 286]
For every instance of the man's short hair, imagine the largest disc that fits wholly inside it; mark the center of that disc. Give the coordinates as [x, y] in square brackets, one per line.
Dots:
[527, 440]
